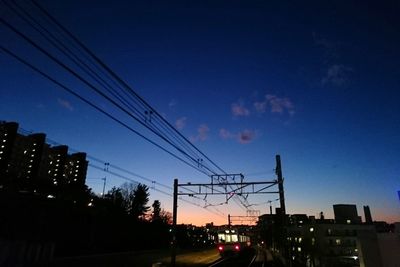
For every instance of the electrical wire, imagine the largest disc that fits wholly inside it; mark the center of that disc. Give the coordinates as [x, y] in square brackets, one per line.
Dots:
[165, 130]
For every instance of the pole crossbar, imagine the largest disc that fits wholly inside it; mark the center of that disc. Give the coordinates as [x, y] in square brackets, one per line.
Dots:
[243, 188]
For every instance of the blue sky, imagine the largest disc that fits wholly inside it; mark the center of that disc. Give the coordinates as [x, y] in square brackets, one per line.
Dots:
[314, 82]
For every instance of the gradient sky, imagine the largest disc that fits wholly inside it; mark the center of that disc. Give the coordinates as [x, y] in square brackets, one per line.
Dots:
[317, 83]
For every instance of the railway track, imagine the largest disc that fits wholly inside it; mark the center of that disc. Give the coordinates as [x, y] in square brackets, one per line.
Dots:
[254, 257]
[242, 259]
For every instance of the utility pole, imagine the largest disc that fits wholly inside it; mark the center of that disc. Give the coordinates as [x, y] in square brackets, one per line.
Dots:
[174, 215]
[278, 172]
[104, 185]
[286, 249]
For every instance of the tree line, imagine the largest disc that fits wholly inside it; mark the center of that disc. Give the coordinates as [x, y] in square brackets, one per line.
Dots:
[132, 200]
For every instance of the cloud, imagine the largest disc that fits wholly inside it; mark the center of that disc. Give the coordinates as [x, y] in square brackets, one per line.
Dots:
[260, 106]
[337, 75]
[225, 134]
[243, 137]
[331, 49]
[246, 136]
[238, 109]
[276, 105]
[65, 104]
[180, 123]
[172, 103]
[202, 133]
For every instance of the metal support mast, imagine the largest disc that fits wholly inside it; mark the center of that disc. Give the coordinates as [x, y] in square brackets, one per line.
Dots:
[278, 172]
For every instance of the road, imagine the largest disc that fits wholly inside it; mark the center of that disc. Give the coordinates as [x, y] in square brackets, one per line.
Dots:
[254, 257]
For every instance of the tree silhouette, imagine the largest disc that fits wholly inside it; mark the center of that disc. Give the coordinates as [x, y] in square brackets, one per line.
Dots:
[115, 197]
[156, 211]
[139, 198]
[166, 216]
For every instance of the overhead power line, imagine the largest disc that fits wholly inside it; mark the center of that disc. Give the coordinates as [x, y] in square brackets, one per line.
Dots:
[116, 90]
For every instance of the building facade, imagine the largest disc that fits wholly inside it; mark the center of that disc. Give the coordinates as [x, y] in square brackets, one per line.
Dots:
[29, 164]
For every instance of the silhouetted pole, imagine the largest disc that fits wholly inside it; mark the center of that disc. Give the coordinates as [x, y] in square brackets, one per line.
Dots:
[104, 185]
[174, 213]
[280, 184]
[282, 214]
[229, 221]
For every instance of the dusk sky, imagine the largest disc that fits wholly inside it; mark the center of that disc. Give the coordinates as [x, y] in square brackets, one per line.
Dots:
[315, 82]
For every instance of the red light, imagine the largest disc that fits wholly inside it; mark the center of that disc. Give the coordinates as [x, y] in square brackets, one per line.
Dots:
[237, 247]
[220, 248]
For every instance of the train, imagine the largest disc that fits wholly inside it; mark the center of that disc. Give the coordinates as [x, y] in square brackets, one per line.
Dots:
[231, 241]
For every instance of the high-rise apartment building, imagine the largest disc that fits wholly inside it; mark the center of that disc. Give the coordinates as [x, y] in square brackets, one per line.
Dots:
[8, 133]
[28, 164]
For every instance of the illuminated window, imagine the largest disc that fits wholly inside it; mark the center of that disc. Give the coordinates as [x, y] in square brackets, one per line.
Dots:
[1, 152]
[76, 174]
[25, 151]
[338, 241]
[348, 221]
[51, 162]
[58, 160]
[33, 150]
[34, 144]
[30, 166]
[300, 239]
[75, 180]
[313, 241]
[299, 249]
[31, 160]
[2, 146]
[311, 229]
[4, 140]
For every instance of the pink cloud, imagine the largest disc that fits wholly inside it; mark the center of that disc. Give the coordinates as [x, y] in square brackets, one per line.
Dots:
[276, 105]
[180, 123]
[65, 104]
[246, 136]
[238, 109]
[202, 133]
[243, 137]
[279, 105]
[225, 134]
